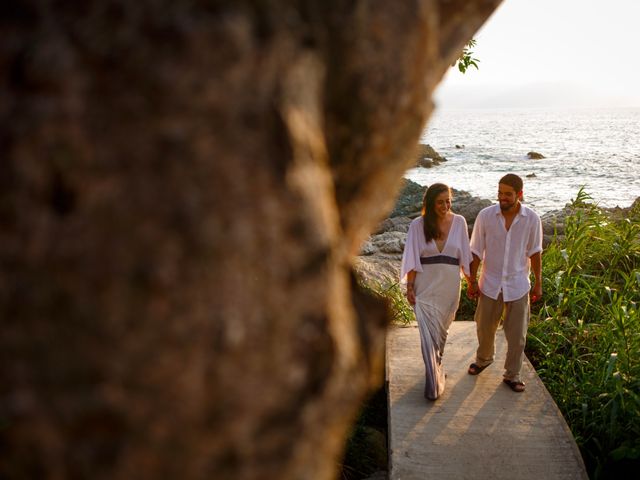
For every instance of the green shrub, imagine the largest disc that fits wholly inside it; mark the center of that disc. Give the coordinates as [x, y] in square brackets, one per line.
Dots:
[585, 339]
[391, 291]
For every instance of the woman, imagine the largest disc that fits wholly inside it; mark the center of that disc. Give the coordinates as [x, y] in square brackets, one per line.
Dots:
[437, 249]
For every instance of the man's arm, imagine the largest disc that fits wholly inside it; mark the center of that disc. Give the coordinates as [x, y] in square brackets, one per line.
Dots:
[536, 266]
[477, 248]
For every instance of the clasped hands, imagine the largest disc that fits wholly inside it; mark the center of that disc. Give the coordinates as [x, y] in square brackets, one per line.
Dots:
[473, 292]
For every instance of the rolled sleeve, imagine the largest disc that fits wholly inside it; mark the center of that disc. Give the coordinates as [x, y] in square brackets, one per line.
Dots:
[477, 236]
[535, 239]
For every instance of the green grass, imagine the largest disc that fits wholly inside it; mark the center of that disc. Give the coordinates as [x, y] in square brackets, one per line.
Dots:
[585, 338]
[391, 291]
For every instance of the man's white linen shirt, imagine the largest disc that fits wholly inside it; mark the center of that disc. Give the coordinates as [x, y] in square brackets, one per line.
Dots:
[505, 254]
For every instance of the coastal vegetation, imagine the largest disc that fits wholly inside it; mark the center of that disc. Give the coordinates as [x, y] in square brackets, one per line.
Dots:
[584, 340]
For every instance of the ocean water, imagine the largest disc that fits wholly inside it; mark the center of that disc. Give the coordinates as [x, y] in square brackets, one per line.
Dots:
[592, 148]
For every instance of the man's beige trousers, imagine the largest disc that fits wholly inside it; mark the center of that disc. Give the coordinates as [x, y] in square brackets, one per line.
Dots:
[515, 324]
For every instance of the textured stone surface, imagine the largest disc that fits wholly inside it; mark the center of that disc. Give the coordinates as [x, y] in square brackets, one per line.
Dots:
[379, 269]
[428, 157]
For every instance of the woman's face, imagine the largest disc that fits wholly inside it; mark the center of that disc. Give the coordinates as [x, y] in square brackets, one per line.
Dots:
[442, 205]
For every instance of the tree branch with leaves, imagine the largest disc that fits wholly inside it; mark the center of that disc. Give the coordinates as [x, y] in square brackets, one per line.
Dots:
[466, 59]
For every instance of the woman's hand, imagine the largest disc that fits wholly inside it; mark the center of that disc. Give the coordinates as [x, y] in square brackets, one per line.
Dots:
[411, 294]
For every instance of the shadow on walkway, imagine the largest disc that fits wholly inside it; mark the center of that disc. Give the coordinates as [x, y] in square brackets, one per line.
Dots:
[478, 429]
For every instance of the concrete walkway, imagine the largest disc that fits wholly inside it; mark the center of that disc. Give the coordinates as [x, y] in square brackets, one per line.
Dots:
[479, 429]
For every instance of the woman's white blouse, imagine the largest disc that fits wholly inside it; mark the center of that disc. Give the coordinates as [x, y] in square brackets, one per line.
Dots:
[456, 246]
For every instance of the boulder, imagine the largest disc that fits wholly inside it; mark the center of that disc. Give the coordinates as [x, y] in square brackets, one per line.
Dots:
[428, 157]
[389, 242]
[409, 202]
[368, 248]
[467, 205]
[553, 222]
[632, 211]
[531, 175]
[395, 224]
[535, 156]
[379, 269]
[425, 162]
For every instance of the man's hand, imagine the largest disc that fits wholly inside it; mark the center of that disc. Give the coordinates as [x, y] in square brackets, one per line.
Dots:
[536, 267]
[473, 292]
[536, 293]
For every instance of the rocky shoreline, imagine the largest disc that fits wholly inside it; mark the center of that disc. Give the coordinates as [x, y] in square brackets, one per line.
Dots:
[381, 255]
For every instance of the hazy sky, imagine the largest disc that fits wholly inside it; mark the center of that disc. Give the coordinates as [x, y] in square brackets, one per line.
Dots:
[552, 53]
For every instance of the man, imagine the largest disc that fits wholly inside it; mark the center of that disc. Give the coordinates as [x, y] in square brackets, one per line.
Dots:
[508, 239]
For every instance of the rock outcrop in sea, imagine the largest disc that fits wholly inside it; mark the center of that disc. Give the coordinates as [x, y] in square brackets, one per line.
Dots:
[428, 157]
[535, 156]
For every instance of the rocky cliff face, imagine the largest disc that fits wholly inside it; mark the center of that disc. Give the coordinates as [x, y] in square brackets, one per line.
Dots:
[183, 186]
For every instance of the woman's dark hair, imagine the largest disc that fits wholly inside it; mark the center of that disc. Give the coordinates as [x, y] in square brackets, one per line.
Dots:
[431, 231]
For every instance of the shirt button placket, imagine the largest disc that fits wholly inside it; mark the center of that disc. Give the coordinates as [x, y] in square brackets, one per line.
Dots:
[505, 264]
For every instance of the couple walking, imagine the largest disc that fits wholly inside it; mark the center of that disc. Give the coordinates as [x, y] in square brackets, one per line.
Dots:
[507, 239]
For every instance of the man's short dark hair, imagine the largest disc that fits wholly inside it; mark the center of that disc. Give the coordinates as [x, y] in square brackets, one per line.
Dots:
[512, 180]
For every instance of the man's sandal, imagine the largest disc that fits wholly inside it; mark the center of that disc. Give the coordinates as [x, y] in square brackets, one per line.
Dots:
[517, 387]
[475, 369]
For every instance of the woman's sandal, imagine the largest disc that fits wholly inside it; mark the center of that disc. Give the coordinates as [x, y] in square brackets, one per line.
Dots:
[517, 387]
[475, 369]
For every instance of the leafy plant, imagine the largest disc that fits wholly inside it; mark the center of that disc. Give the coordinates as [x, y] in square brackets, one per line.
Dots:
[585, 339]
[392, 292]
[466, 60]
